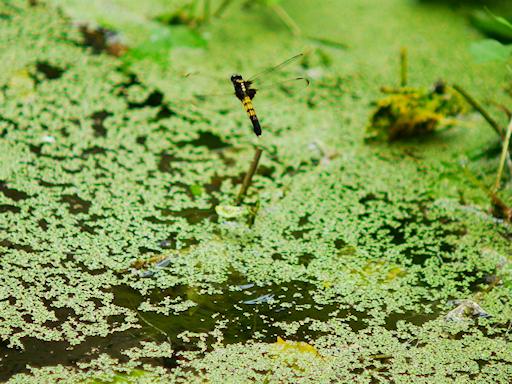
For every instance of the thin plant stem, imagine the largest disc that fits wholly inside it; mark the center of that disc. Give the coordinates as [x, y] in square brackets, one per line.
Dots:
[403, 67]
[222, 8]
[509, 164]
[206, 11]
[496, 202]
[248, 176]
[475, 104]
[504, 153]
[286, 19]
[162, 332]
[497, 128]
[328, 42]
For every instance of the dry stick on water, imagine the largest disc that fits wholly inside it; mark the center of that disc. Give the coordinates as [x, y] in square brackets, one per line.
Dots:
[503, 157]
[248, 176]
[403, 67]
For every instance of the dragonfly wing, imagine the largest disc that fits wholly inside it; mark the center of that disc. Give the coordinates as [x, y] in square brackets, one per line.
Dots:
[289, 86]
[212, 96]
[200, 89]
[207, 103]
[276, 69]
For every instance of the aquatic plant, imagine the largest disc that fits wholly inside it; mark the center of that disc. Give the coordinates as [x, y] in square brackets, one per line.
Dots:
[273, 5]
[127, 32]
[413, 112]
[492, 49]
[499, 208]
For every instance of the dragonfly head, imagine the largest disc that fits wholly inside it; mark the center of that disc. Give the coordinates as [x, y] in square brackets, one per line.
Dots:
[236, 79]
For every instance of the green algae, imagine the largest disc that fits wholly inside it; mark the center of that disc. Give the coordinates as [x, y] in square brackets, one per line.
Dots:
[106, 173]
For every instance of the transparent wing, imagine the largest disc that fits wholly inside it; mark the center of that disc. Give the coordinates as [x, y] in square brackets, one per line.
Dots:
[272, 71]
[289, 86]
[198, 88]
[205, 83]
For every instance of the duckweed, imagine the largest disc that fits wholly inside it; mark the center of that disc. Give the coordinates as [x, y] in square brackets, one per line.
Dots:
[351, 259]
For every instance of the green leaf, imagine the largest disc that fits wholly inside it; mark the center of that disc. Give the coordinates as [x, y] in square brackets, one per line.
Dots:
[501, 20]
[160, 43]
[148, 38]
[489, 25]
[490, 50]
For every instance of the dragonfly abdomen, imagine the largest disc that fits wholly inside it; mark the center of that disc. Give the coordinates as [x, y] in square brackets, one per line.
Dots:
[249, 108]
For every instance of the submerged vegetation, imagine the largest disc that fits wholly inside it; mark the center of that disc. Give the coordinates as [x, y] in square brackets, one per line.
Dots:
[128, 256]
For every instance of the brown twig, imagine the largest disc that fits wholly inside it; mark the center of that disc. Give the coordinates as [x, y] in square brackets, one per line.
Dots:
[500, 209]
[248, 176]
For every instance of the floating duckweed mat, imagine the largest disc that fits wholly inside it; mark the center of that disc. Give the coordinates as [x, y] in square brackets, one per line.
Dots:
[117, 268]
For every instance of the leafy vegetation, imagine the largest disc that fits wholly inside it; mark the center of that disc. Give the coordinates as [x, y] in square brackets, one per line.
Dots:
[492, 49]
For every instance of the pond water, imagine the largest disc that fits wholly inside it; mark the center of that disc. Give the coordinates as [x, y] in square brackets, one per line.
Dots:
[122, 255]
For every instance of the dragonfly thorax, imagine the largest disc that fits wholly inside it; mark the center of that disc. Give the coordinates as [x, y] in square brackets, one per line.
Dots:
[242, 87]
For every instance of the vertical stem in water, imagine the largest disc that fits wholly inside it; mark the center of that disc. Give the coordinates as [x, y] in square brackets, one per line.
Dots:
[222, 8]
[493, 123]
[403, 67]
[206, 11]
[248, 176]
[504, 153]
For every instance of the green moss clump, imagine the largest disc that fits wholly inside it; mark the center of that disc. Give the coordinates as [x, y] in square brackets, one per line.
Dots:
[412, 112]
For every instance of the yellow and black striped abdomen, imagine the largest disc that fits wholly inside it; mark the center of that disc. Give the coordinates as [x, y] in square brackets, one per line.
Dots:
[247, 103]
[249, 108]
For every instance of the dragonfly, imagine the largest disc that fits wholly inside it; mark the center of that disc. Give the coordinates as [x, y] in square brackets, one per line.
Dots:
[245, 89]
